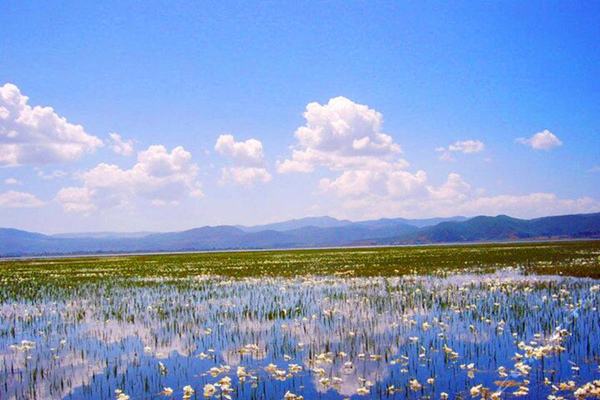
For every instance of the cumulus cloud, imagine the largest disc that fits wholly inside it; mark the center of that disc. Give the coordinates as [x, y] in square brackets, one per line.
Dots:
[369, 193]
[393, 182]
[461, 146]
[247, 158]
[249, 152]
[76, 199]
[346, 138]
[38, 135]
[396, 192]
[14, 199]
[339, 135]
[370, 180]
[119, 145]
[159, 176]
[544, 140]
[457, 197]
[530, 205]
[245, 175]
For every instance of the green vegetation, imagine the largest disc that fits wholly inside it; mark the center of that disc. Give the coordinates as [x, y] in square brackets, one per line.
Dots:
[471, 321]
[571, 258]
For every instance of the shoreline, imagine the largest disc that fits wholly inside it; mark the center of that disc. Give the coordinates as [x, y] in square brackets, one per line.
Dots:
[287, 249]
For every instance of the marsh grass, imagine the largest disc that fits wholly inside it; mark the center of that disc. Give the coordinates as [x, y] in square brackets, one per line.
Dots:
[485, 321]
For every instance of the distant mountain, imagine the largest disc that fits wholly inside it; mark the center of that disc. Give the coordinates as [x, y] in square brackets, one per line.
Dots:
[308, 232]
[503, 227]
[348, 234]
[419, 223]
[330, 222]
[13, 241]
[101, 235]
[318, 222]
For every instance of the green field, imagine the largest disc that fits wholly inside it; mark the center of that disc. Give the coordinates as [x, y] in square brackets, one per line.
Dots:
[570, 258]
[489, 321]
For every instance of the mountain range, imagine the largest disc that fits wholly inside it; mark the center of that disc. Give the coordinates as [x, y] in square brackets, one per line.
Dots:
[306, 232]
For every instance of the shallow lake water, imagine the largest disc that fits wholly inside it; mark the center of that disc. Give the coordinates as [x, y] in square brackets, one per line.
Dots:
[500, 335]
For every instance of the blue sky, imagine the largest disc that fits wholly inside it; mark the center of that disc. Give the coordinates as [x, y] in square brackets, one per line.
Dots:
[351, 109]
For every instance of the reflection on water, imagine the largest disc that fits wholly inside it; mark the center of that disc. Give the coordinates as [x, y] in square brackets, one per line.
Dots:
[492, 336]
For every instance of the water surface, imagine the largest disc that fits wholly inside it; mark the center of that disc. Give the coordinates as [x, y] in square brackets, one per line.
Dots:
[326, 337]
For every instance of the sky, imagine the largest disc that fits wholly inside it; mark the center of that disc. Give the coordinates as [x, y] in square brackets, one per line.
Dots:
[162, 116]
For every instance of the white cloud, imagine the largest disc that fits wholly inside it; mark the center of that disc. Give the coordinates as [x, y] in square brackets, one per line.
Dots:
[467, 146]
[346, 138]
[371, 180]
[544, 140]
[339, 135]
[455, 189]
[76, 199]
[38, 135]
[393, 182]
[119, 145]
[456, 197]
[249, 152]
[247, 158]
[159, 176]
[377, 194]
[245, 175]
[461, 146]
[56, 174]
[380, 192]
[13, 199]
[11, 181]
[529, 205]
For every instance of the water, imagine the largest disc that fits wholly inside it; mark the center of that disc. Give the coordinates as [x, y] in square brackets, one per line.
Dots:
[317, 337]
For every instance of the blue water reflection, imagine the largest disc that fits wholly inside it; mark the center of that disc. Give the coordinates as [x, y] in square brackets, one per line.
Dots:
[494, 336]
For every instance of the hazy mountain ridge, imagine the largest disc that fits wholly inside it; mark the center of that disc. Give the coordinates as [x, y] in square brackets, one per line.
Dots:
[319, 222]
[101, 235]
[304, 233]
[503, 227]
